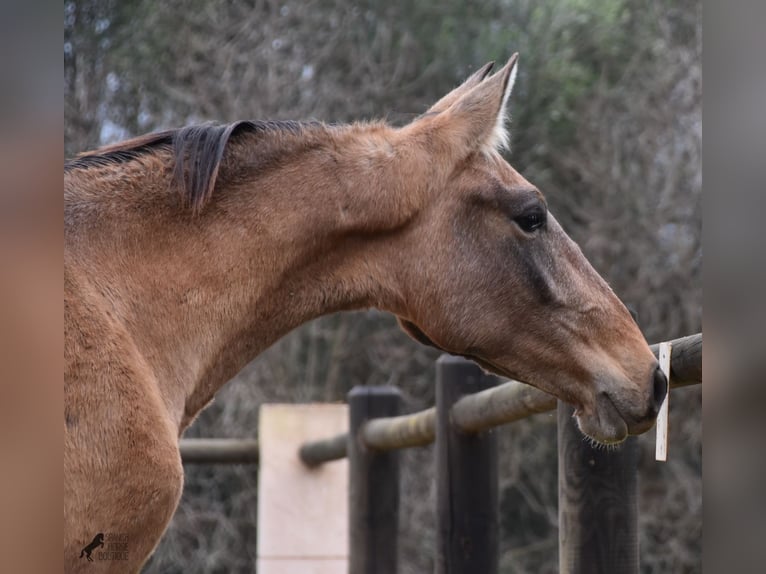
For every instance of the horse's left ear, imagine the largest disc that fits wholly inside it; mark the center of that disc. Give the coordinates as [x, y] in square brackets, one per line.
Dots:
[471, 82]
[476, 119]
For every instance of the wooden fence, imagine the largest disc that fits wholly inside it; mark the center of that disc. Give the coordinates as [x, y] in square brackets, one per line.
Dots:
[598, 510]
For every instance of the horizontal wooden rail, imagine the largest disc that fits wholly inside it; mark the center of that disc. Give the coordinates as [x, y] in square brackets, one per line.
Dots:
[500, 405]
[417, 429]
[685, 360]
[219, 450]
[319, 452]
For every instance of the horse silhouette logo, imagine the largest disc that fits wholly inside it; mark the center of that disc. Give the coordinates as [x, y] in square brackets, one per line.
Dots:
[97, 541]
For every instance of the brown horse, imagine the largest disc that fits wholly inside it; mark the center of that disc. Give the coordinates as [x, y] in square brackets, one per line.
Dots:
[190, 251]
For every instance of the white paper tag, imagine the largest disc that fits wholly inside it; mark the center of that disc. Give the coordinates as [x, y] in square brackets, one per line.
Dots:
[661, 450]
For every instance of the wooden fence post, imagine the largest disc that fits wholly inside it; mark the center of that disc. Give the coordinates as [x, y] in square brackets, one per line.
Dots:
[466, 477]
[373, 486]
[598, 503]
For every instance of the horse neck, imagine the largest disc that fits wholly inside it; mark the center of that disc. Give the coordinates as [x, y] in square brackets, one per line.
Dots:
[203, 295]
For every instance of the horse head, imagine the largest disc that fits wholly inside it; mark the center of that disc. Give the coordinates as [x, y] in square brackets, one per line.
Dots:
[499, 281]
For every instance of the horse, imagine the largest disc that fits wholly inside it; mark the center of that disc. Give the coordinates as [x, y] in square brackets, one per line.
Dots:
[190, 251]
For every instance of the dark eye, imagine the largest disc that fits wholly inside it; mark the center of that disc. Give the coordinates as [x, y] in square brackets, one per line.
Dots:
[531, 220]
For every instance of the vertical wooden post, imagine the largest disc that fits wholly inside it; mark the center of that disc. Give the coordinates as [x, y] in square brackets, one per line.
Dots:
[373, 486]
[466, 477]
[598, 503]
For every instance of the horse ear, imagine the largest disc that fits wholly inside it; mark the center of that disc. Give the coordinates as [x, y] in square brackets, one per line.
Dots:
[472, 81]
[476, 119]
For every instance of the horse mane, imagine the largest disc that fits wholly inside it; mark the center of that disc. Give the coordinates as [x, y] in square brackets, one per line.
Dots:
[197, 152]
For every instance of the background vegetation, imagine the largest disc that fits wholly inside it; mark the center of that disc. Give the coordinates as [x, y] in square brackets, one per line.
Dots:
[606, 121]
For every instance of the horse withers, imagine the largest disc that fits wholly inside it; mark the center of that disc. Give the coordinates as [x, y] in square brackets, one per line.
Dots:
[188, 252]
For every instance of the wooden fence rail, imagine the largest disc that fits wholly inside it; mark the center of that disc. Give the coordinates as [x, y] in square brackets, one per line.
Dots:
[598, 511]
[219, 451]
[503, 404]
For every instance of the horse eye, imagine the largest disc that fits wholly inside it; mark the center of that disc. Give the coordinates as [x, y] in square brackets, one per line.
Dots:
[531, 220]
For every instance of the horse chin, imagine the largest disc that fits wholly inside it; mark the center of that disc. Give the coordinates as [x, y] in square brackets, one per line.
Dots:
[604, 425]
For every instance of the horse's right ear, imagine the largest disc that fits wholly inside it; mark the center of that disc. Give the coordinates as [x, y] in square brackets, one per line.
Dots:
[472, 81]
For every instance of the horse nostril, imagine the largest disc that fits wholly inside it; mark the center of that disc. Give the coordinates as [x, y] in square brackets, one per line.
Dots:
[660, 387]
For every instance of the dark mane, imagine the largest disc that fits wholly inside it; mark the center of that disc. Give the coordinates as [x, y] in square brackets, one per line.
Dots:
[197, 152]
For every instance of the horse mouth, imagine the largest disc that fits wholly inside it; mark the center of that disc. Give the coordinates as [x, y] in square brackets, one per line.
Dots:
[605, 424]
